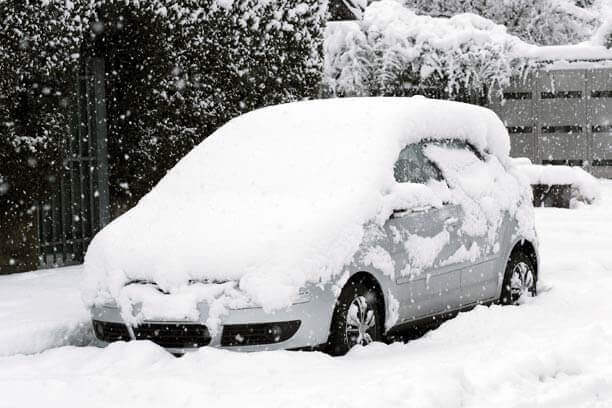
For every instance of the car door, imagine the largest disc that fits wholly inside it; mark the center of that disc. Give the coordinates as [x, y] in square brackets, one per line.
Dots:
[470, 178]
[422, 240]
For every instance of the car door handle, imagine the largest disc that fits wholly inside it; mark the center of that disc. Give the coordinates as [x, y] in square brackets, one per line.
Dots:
[417, 210]
[400, 212]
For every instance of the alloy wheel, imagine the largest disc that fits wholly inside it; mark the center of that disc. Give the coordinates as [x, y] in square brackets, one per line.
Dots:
[360, 322]
[522, 281]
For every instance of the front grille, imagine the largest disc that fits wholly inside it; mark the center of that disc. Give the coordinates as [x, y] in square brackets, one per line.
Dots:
[177, 335]
[172, 335]
[258, 333]
[109, 332]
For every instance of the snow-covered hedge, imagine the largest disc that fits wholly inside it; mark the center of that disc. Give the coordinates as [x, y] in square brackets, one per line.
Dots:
[393, 51]
[177, 70]
[36, 46]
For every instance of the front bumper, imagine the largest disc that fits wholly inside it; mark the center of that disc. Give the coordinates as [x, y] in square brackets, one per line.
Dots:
[314, 319]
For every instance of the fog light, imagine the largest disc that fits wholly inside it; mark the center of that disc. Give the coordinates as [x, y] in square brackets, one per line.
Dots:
[276, 333]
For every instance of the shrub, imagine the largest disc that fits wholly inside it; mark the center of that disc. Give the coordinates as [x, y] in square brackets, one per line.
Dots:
[393, 51]
[176, 70]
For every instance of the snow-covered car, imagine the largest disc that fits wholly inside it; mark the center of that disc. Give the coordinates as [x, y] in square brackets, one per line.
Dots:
[332, 222]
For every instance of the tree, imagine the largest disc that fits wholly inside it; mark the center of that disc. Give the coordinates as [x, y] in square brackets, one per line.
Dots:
[34, 58]
[176, 71]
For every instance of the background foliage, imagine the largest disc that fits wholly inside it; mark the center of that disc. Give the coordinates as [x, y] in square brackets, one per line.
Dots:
[176, 70]
[457, 49]
[543, 22]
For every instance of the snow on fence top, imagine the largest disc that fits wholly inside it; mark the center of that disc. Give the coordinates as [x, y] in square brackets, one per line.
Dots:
[279, 197]
[585, 51]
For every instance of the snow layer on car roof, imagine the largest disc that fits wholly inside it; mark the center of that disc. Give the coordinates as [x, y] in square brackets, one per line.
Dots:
[279, 197]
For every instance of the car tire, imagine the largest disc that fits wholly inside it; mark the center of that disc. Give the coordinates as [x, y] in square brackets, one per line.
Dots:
[520, 279]
[357, 318]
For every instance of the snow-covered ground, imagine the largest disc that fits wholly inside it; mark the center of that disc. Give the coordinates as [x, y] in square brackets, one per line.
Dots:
[552, 351]
[42, 309]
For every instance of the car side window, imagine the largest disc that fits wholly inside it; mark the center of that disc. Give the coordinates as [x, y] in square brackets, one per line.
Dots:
[413, 167]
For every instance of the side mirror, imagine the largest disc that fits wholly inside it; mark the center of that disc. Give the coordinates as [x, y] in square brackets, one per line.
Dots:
[399, 213]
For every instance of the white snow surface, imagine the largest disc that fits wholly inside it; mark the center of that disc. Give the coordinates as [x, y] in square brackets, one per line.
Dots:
[587, 188]
[274, 199]
[551, 351]
[42, 309]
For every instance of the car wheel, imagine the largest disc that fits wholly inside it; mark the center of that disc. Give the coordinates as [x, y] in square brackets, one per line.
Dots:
[519, 279]
[357, 317]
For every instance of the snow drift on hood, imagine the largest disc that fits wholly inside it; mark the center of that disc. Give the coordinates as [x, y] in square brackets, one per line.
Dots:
[278, 197]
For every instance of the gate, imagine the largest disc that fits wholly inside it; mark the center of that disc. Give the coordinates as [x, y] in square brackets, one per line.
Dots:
[79, 207]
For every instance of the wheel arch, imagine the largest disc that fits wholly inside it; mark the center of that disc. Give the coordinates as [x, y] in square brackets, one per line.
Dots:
[528, 248]
[376, 285]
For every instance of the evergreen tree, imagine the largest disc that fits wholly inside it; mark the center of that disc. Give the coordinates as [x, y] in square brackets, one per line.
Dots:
[176, 70]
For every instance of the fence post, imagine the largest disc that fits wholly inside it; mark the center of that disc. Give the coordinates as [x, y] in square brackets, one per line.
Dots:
[97, 65]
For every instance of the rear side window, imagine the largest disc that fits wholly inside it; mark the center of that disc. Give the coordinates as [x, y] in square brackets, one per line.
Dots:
[413, 167]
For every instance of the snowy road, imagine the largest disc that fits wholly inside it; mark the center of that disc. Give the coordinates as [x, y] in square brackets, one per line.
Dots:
[553, 351]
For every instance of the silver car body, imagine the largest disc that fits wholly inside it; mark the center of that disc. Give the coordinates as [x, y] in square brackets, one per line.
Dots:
[438, 290]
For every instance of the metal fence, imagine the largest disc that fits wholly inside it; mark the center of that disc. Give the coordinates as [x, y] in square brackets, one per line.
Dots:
[80, 206]
[561, 116]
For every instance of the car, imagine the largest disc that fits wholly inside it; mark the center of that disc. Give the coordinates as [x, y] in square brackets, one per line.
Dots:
[320, 224]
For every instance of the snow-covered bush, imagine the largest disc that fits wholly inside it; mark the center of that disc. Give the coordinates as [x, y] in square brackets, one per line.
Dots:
[393, 51]
[545, 22]
[35, 54]
[584, 187]
[176, 71]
